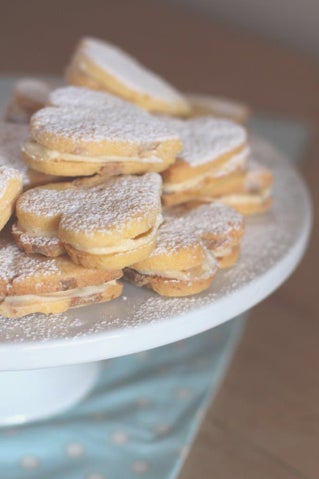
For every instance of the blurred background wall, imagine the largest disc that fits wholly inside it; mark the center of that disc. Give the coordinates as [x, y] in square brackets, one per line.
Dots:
[196, 51]
[292, 21]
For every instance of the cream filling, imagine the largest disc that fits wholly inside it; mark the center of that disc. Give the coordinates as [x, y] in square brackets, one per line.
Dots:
[223, 251]
[245, 198]
[56, 296]
[126, 245]
[204, 272]
[38, 152]
[238, 161]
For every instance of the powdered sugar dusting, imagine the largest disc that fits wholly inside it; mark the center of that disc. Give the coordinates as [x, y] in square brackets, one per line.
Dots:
[75, 96]
[268, 239]
[109, 205]
[128, 71]
[182, 228]
[12, 137]
[6, 175]
[257, 177]
[89, 124]
[16, 266]
[206, 139]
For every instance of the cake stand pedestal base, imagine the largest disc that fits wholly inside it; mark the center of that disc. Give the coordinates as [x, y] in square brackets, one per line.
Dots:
[38, 394]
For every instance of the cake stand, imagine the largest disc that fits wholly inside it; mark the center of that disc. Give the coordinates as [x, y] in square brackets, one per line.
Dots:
[47, 363]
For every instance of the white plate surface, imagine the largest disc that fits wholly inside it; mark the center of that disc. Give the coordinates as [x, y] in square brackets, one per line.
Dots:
[272, 247]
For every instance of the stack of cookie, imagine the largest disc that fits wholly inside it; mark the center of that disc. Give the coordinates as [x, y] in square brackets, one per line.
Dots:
[87, 170]
[214, 165]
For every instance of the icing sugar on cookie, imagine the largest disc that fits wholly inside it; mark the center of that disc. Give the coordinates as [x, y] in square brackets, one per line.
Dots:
[90, 132]
[12, 137]
[213, 166]
[75, 96]
[103, 66]
[10, 188]
[249, 192]
[35, 284]
[206, 140]
[190, 247]
[28, 96]
[100, 223]
[211, 148]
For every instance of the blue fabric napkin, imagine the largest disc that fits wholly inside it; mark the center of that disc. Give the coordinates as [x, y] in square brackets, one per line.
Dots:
[139, 421]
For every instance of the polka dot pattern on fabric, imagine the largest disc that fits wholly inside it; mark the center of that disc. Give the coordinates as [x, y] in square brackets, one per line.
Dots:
[162, 428]
[74, 449]
[143, 403]
[135, 424]
[119, 437]
[96, 475]
[140, 467]
[29, 463]
[183, 393]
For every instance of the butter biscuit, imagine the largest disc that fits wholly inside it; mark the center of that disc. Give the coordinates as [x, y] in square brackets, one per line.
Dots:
[12, 137]
[35, 284]
[28, 96]
[106, 135]
[217, 106]
[211, 148]
[100, 65]
[191, 246]
[10, 188]
[101, 223]
[249, 193]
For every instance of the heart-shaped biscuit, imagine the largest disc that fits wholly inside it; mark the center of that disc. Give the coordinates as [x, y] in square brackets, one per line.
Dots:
[218, 107]
[209, 145]
[35, 284]
[97, 133]
[190, 246]
[10, 188]
[12, 138]
[101, 65]
[215, 165]
[102, 223]
[28, 96]
[249, 192]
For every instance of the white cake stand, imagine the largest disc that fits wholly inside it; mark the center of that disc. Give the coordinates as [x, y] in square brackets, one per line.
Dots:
[49, 363]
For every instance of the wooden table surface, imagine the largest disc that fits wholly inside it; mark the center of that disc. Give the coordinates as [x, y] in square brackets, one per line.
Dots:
[265, 421]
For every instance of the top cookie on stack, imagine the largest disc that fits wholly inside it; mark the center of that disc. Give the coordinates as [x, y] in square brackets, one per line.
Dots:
[100, 65]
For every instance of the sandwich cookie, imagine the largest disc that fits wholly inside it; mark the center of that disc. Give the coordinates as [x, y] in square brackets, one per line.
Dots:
[211, 148]
[10, 188]
[107, 224]
[28, 96]
[249, 192]
[104, 135]
[100, 65]
[219, 107]
[35, 284]
[191, 246]
[12, 137]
